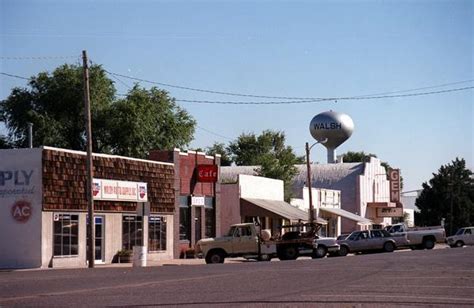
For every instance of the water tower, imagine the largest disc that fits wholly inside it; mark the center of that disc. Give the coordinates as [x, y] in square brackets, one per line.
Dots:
[334, 127]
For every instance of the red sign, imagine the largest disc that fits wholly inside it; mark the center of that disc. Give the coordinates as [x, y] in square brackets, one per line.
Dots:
[21, 211]
[394, 178]
[207, 173]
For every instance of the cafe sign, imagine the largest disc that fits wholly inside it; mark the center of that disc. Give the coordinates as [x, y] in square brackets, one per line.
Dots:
[207, 173]
[112, 190]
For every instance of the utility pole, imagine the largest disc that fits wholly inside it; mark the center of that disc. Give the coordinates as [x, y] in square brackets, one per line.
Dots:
[308, 183]
[90, 200]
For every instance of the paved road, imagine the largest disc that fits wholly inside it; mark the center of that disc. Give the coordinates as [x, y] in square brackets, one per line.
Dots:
[442, 277]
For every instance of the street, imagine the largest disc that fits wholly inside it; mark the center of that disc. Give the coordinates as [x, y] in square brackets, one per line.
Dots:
[440, 277]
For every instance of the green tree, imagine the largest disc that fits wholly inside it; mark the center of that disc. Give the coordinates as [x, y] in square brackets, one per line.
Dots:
[3, 143]
[449, 195]
[269, 153]
[53, 102]
[356, 157]
[219, 148]
[148, 119]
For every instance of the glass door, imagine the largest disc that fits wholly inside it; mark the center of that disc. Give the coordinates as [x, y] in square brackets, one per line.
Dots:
[99, 238]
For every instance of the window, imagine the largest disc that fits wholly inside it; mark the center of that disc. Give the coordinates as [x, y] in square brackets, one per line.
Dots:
[184, 218]
[66, 232]
[132, 227]
[245, 231]
[210, 217]
[156, 233]
[376, 233]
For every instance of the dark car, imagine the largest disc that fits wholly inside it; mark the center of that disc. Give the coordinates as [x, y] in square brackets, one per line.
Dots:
[369, 240]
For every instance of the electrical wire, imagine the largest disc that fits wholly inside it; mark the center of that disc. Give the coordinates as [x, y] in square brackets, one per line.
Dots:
[323, 99]
[14, 76]
[39, 58]
[303, 99]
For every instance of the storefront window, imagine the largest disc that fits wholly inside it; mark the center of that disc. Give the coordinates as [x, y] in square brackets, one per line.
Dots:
[132, 227]
[184, 218]
[210, 217]
[66, 231]
[185, 223]
[156, 233]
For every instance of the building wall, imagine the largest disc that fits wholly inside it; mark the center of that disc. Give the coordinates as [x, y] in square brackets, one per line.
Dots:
[260, 188]
[20, 208]
[230, 201]
[186, 185]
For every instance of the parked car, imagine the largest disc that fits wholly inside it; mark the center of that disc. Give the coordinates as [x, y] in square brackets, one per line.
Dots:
[372, 240]
[464, 236]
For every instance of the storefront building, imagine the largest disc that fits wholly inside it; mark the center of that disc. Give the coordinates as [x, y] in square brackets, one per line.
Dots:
[253, 197]
[43, 219]
[367, 191]
[197, 196]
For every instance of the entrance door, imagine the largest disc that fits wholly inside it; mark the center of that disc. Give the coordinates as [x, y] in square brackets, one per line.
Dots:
[197, 223]
[99, 238]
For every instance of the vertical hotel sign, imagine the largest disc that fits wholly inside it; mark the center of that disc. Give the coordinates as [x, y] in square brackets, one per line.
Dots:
[113, 190]
[394, 179]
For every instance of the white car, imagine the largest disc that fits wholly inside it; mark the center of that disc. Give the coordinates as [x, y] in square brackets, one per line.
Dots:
[464, 236]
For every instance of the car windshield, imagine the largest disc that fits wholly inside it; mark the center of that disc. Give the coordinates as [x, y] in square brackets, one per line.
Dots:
[460, 231]
[353, 236]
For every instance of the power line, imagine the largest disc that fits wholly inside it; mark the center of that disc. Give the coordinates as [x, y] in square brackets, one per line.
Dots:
[312, 99]
[39, 58]
[14, 76]
[323, 99]
[213, 133]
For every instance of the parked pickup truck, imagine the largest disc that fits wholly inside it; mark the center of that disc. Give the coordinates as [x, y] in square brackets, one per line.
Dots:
[248, 241]
[418, 237]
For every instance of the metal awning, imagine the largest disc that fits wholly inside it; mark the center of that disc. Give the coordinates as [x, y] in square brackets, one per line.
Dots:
[343, 213]
[283, 209]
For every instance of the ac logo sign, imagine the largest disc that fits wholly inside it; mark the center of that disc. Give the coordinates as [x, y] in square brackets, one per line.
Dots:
[21, 211]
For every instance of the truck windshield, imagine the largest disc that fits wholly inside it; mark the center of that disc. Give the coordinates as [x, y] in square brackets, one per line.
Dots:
[231, 231]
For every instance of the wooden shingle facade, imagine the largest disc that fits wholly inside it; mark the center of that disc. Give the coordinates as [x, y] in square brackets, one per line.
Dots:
[64, 181]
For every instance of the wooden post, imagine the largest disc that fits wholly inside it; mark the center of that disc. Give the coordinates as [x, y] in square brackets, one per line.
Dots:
[89, 196]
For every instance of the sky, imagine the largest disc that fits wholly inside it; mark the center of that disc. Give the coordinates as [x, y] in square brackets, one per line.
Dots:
[274, 48]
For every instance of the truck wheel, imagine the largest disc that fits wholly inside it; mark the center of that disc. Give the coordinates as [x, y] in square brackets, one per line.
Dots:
[265, 257]
[459, 244]
[343, 251]
[215, 257]
[388, 247]
[319, 252]
[288, 253]
[428, 243]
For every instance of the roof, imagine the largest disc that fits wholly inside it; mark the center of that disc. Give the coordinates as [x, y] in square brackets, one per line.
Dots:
[283, 209]
[340, 212]
[339, 176]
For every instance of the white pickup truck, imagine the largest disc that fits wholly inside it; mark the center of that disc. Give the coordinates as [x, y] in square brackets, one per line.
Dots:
[418, 237]
[248, 241]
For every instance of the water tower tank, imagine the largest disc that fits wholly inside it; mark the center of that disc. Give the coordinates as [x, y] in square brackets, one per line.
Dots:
[336, 127]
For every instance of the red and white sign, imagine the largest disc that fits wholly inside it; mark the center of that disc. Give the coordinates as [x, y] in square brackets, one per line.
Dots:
[113, 190]
[207, 173]
[21, 211]
[394, 178]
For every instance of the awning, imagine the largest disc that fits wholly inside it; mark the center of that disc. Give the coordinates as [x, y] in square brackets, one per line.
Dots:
[340, 212]
[283, 209]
